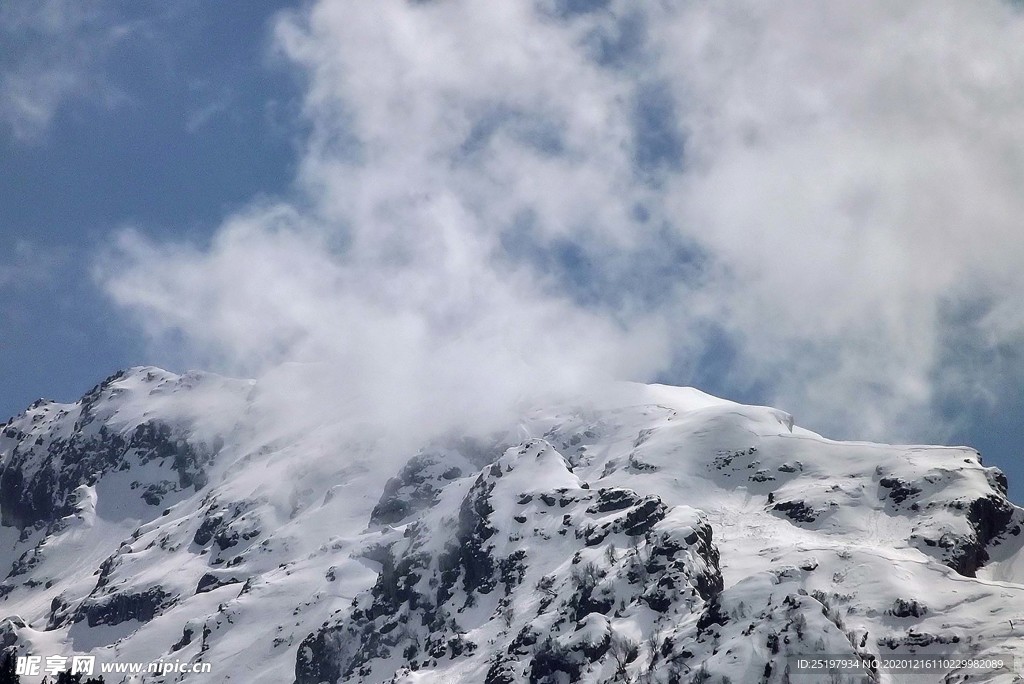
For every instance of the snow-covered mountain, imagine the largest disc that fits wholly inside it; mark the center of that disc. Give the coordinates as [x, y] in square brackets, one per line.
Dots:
[655, 534]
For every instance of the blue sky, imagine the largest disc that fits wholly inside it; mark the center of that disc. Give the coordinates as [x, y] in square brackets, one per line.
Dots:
[424, 195]
[202, 122]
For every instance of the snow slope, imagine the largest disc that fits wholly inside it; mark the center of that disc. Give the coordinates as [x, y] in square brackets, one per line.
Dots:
[652, 534]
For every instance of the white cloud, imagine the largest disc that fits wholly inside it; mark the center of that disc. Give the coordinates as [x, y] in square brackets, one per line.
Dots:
[26, 265]
[51, 56]
[421, 341]
[849, 175]
[853, 170]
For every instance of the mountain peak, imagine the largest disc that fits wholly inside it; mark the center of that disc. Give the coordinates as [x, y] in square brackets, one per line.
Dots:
[649, 533]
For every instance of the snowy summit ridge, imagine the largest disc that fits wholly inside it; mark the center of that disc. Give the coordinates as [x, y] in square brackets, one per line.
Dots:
[655, 535]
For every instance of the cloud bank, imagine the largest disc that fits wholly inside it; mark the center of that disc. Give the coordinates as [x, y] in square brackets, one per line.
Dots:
[500, 199]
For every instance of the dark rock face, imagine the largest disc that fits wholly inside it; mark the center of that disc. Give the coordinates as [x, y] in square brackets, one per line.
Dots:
[551, 659]
[913, 640]
[984, 520]
[899, 490]
[52, 450]
[447, 577]
[470, 557]
[39, 478]
[321, 656]
[908, 608]
[207, 529]
[997, 480]
[209, 582]
[9, 631]
[797, 511]
[228, 529]
[990, 517]
[724, 459]
[613, 500]
[118, 608]
[990, 520]
[414, 489]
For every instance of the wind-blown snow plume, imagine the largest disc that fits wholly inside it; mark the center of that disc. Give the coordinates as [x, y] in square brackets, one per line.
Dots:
[495, 198]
